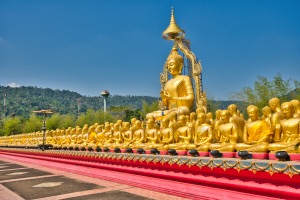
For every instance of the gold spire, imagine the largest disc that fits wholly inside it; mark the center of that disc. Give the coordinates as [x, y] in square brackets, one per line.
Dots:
[173, 31]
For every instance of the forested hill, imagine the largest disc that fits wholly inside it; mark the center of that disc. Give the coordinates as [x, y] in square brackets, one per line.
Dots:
[23, 100]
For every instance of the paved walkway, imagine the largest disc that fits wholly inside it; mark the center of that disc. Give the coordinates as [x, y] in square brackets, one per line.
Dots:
[20, 180]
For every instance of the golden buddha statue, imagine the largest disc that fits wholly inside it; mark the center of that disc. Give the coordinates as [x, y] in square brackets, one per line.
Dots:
[79, 138]
[166, 135]
[266, 111]
[152, 135]
[72, 138]
[257, 133]
[274, 104]
[117, 135]
[138, 136]
[107, 136]
[296, 104]
[184, 134]
[177, 94]
[235, 118]
[209, 118]
[192, 124]
[227, 134]
[49, 134]
[66, 136]
[126, 134]
[96, 141]
[203, 134]
[83, 137]
[217, 122]
[288, 131]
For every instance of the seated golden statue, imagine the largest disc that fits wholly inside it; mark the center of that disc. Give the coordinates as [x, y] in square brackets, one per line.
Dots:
[274, 104]
[71, 139]
[236, 119]
[79, 138]
[138, 136]
[126, 134]
[267, 114]
[166, 135]
[203, 134]
[288, 131]
[177, 94]
[151, 134]
[107, 136]
[95, 136]
[184, 134]
[227, 134]
[117, 136]
[257, 133]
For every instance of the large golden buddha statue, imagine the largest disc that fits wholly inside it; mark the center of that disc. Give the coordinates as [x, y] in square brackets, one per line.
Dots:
[177, 94]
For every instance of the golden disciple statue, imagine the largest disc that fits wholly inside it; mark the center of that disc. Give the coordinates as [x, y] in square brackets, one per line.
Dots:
[288, 131]
[177, 94]
[203, 134]
[257, 133]
[226, 134]
[274, 104]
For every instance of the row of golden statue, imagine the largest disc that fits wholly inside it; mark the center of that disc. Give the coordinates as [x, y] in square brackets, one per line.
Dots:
[175, 126]
[277, 129]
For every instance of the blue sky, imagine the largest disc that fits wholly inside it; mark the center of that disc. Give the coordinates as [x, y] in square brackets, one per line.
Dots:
[88, 46]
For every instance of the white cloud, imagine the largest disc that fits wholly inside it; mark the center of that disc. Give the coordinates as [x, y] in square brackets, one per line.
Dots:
[13, 85]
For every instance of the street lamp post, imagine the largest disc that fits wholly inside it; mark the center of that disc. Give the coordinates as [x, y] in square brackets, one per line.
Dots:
[105, 94]
[45, 113]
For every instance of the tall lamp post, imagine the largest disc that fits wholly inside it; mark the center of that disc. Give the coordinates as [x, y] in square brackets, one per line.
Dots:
[104, 94]
[45, 113]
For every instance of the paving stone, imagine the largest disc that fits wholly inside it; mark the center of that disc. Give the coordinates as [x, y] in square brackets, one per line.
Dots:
[26, 188]
[16, 174]
[111, 195]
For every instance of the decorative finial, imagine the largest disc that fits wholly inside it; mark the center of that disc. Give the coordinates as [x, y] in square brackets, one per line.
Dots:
[173, 31]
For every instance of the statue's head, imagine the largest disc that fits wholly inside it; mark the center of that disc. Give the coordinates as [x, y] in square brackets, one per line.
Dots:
[201, 118]
[165, 122]
[175, 62]
[225, 116]
[232, 108]
[266, 111]
[253, 112]
[150, 123]
[274, 103]
[287, 109]
[296, 104]
[182, 120]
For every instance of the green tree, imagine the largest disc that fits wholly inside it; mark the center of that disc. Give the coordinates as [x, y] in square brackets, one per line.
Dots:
[264, 90]
[33, 124]
[12, 125]
[148, 107]
[68, 120]
[54, 121]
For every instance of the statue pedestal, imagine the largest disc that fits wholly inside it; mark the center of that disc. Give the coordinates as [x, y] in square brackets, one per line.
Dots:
[163, 152]
[227, 154]
[201, 153]
[190, 177]
[123, 150]
[256, 155]
[181, 152]
[293, 156]
[148, 151]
